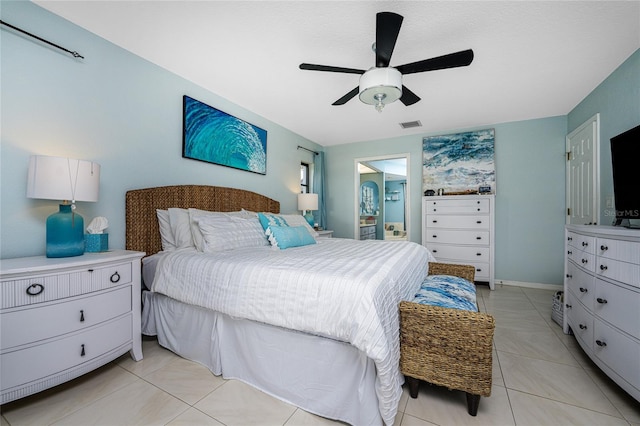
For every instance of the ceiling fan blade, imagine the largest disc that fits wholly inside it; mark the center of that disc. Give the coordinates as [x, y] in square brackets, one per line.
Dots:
[314, 67]
[408, 97]
[346, 98]
[452, 60]
[387, 29]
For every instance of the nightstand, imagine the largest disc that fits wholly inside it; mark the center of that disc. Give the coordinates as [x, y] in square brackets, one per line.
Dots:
[61, 318]
[325, 234]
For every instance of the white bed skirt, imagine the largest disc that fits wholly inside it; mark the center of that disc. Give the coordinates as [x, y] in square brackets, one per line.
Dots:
[322, 376]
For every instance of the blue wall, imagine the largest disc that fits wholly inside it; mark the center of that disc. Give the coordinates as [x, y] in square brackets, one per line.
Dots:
[114, 108]
[529, 201]
[617, 99]
[394, 210]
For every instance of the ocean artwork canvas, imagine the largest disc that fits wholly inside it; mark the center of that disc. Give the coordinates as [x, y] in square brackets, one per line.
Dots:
[460, 163]
[216, 137]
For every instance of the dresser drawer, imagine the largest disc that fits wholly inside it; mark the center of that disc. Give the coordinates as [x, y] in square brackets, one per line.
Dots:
[619, 352]
[458, 221]
[582, 258]
[27, 325]
[618, 306]
[45, 288]
[582, 242]
[624, 251]
[453, 206]
[467, 254]
[26, 365]
[458, 237]
[625, 272]
[580, 321]
[581, 284]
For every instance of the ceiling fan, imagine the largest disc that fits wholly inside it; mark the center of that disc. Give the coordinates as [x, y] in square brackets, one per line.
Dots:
[382, 84]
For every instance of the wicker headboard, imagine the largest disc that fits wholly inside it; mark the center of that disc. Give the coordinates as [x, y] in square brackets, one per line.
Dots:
[143, 232]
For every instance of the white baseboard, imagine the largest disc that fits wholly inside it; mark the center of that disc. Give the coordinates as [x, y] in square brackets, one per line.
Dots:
[554, 287]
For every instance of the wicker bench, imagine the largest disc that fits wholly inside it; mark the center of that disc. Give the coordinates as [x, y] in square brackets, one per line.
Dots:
[447, 347]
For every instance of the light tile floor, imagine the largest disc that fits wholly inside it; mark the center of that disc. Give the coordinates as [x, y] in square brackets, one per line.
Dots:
[540, 377]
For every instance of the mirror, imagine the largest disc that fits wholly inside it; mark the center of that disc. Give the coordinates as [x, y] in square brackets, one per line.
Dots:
[382, 198]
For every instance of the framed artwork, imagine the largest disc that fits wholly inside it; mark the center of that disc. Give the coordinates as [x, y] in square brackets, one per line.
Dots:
[216, 137]
[460, 163]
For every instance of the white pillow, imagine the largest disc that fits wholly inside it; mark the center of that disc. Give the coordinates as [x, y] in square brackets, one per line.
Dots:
[180, 226]
[299, 220]
[196, 233]
[166, 234]
[225, 231]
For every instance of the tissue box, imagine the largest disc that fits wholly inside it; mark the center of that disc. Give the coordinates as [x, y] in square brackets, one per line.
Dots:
[94, 243]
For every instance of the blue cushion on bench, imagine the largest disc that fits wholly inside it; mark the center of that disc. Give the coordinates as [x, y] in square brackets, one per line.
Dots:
[447, 292]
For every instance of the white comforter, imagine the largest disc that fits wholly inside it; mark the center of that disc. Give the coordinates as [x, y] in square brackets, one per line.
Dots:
[343, 289]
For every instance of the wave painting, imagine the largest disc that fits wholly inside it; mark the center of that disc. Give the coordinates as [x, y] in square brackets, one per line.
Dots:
[459, 163]
[216, 137]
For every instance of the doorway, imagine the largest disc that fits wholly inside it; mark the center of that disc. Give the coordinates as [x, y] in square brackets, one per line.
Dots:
[583, 180]
[382, 191]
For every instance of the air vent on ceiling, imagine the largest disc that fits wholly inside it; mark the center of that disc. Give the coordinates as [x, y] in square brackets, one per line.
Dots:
[411, 124]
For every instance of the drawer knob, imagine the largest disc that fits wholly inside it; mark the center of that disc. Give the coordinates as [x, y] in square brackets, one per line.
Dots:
[585, 244]
[81, 315]
[435, 236]
[569, 252]
[568, 306]
[603, 267]
[435, 221]
[569, 239]
[604, 248]
[35, 289]
[434, 251]
[583, 290]
[478, 221]
[601, 343]
[582, 327]
[584, 261]
[82, 352]
[569, 276]
[478, 238]
[478, 254]
[601, 300]
[115, 277]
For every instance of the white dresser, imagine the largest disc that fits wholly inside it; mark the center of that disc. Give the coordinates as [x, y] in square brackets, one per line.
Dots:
[460, 229]
[61, 318]
[602, 299]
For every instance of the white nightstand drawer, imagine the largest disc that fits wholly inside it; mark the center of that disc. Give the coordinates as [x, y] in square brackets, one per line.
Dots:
[29, 325]
[458, 237]
[36, 362]
[458, 221]
[44, 288]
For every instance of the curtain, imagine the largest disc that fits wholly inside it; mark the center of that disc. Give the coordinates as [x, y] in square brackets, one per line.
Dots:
[320, 215]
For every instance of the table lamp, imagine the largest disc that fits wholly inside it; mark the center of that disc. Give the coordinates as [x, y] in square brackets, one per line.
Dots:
[308, 202]
[68, 180]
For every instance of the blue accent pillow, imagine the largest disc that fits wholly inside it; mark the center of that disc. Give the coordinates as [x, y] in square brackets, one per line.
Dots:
[448, 292]
[284, 237]
[268, 219]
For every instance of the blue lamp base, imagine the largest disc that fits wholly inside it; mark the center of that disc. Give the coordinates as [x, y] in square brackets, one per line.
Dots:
[310, 218]
[65, 233]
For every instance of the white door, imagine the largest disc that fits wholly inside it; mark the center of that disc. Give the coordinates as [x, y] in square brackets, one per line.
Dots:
[583, 182]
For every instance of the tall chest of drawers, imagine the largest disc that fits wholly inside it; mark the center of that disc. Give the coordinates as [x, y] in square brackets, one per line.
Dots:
[602, 299]
[61, 318]
[460, 229]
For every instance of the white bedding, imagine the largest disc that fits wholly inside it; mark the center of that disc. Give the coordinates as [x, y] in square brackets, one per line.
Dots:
[347, 290]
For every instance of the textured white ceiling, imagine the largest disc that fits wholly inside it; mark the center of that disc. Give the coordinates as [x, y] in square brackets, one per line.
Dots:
[532, 59]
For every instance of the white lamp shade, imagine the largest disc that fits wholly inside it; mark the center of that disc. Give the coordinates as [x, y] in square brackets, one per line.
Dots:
[380, 81]
[60, 178]
[307, 201]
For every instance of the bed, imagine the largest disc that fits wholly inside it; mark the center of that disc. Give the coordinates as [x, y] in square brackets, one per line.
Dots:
[315, 325]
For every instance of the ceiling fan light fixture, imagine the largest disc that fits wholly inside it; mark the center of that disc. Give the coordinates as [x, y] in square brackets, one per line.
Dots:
[380, 86]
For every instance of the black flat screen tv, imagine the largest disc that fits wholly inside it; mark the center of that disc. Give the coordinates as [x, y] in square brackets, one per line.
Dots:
[625, 164]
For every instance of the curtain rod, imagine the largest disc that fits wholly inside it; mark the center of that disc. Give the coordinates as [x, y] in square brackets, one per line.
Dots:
[74, 54]
[307, 149]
